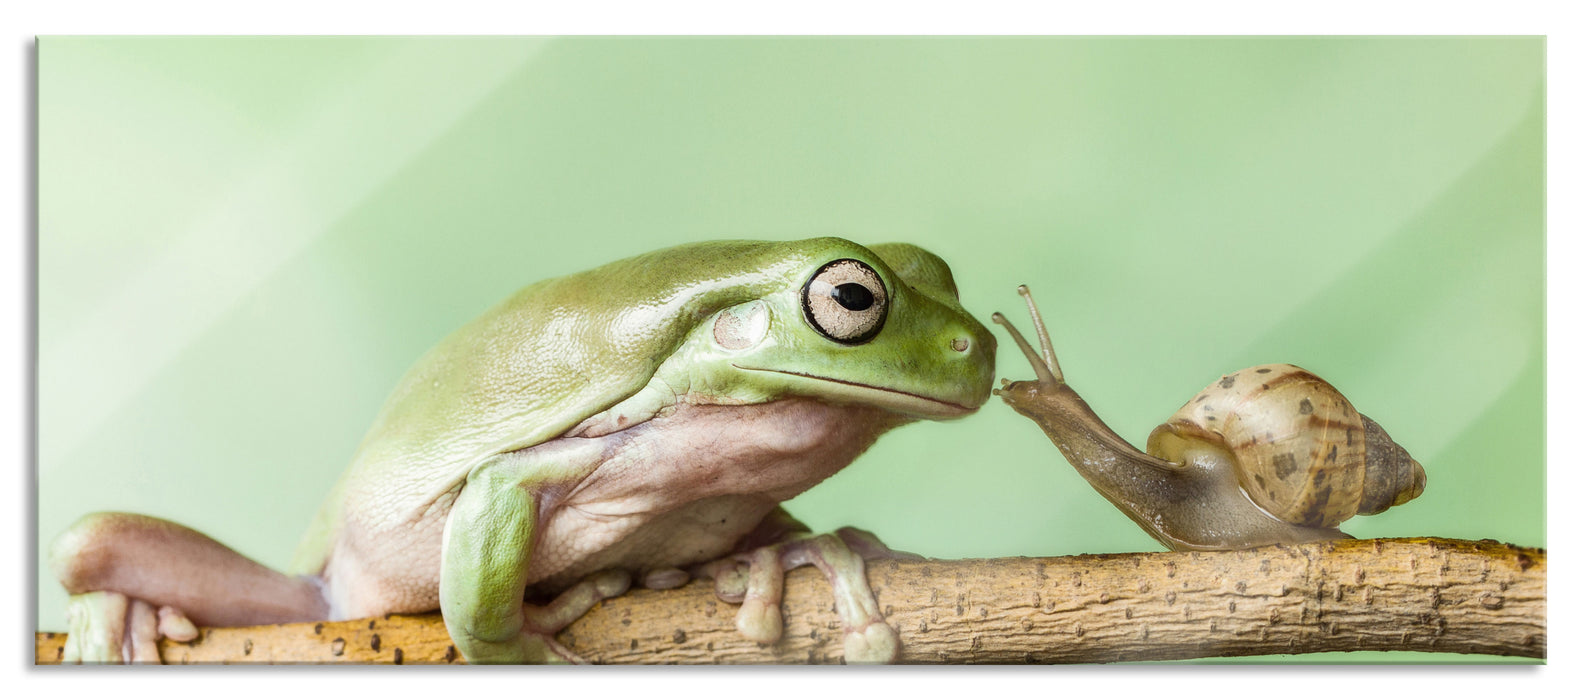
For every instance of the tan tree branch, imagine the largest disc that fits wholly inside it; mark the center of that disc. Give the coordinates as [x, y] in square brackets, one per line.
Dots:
[1420, 594]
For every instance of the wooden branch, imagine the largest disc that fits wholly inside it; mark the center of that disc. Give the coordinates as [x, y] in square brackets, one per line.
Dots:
[1421, 594]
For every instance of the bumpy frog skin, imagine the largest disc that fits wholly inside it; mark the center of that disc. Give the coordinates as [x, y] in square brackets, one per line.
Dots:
[639, 420]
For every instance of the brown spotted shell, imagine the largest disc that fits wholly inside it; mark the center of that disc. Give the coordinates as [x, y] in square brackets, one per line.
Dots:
[1300, 450]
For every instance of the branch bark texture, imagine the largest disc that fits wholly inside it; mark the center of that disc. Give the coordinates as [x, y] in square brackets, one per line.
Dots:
[1419, 594]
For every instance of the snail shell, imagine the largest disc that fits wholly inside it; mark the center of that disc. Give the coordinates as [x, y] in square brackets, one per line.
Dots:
[1298, 447]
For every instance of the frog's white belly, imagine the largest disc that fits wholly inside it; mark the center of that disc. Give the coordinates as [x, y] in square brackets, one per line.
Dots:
[696, 532]
[673, 491]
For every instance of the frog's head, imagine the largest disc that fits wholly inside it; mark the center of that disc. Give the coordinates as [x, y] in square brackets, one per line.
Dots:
[877, 326]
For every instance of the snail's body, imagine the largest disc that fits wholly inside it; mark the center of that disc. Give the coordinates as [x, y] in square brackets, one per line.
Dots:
[1270, 454]
[1193, 505]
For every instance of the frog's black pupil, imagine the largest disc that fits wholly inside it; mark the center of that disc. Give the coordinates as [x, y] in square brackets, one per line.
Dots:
[852, 296]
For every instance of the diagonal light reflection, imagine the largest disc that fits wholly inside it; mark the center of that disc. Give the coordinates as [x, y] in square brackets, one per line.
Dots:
[1483, 258]
[266, 220]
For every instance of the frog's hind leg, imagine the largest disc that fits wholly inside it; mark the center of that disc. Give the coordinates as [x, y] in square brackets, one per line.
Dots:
[134, 579]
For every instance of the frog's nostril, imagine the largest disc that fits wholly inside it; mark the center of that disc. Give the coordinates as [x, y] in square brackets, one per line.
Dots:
[960, 344]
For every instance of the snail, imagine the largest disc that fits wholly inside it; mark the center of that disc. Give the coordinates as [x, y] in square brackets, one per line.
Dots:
[1265, 455]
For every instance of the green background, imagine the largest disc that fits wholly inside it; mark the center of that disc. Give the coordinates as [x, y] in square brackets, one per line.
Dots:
[245, 241]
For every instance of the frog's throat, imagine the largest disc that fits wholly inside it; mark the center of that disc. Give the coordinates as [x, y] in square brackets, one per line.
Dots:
[893, 399]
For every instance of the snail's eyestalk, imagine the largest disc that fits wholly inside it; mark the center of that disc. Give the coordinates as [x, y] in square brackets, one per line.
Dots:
[1042, 332]
[1046, 375]
[1046, 367]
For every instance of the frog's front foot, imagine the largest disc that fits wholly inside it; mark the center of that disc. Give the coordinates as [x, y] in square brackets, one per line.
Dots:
[756, 579]
[110, 628]
[536, 643]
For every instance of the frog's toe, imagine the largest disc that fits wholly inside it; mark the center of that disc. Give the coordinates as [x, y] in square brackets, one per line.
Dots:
[176, 626]
[759, 617]
[760, 586]
[542, 624]
[534, 642]
[867, 634]
[759, 621]
[549, 651]
[575, 602]
[608, 584]
[868, 546]
[96, 628]
[142, 633]
[730, 578]
[527, 647]
[665, 579]
[106, 627]
[876, 644]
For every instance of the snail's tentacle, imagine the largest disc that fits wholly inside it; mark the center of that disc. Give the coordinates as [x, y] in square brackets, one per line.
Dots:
[1045, 375]
[1042, 332]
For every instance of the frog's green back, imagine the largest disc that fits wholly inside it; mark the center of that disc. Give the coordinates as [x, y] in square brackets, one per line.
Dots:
[541, 362]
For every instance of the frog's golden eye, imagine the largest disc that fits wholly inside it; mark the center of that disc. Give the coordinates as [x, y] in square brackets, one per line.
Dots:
[846, 301]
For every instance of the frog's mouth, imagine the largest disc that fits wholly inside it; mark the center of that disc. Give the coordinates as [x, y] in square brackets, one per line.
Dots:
[894, 399]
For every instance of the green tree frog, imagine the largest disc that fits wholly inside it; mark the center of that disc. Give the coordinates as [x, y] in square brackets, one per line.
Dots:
[638, 421]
